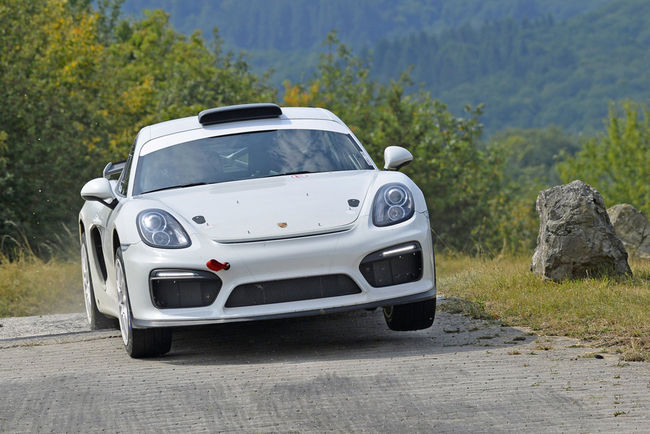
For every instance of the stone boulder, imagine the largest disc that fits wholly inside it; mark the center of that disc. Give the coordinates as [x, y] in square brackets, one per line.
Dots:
[576, 238]
[633, 228]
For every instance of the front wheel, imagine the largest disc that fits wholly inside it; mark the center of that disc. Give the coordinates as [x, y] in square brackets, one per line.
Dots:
[412, 316]
[137, 342]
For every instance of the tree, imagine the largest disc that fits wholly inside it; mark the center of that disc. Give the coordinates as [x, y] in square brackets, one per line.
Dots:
[77, 87]
[531, 154]
[617, 162]
[529, 158]
[48, 60]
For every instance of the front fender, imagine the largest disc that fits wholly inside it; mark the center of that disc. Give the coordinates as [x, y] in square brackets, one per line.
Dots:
[124, 221]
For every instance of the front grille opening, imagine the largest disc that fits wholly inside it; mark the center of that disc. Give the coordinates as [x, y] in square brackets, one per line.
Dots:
[393, 265]
[173, 289]
[282, 291]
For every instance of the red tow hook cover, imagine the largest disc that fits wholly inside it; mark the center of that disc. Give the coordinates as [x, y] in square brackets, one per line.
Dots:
[215, 265]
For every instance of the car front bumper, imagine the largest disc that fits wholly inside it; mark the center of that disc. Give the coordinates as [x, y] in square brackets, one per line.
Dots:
[263, 261]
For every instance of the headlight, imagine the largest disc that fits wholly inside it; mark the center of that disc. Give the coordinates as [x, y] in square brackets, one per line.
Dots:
[158, 228]
[393, 204]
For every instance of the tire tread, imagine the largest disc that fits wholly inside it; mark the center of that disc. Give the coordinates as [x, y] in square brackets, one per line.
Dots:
[149, 342]
[412, 316]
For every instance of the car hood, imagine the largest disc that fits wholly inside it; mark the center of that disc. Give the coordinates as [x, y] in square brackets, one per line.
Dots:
[273, 208]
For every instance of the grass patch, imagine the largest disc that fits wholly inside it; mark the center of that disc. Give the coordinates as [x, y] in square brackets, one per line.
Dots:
[610, 312]
[472, 309]
[32, 286]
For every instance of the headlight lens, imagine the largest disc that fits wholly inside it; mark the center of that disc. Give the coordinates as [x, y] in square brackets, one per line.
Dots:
[158, 228]
[393, 204]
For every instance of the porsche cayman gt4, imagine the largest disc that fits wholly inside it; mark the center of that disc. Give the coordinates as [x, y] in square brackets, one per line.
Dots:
[252, 212]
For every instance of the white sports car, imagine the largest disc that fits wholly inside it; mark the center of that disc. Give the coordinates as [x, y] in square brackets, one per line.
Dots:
[252, 212]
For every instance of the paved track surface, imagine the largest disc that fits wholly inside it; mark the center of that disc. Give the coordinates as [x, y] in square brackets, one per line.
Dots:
[341, 373]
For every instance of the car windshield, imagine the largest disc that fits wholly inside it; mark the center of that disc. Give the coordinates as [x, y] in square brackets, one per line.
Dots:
[246, 156]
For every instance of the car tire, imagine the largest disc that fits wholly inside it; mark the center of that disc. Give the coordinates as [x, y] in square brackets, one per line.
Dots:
[138, 343]
[412, 316]
[96, 319]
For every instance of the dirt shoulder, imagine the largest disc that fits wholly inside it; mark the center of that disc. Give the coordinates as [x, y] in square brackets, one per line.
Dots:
[42, 325]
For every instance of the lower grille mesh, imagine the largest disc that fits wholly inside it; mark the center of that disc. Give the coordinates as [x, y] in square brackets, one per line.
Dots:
[282, 291]
[173, 289]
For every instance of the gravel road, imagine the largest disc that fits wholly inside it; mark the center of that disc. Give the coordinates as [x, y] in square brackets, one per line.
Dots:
[341, 373]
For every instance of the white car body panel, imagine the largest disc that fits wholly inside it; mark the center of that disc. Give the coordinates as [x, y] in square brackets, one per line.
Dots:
[250, 210]
[267, 229]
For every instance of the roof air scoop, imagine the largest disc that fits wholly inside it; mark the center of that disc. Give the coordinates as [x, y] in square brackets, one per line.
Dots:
[242, 112]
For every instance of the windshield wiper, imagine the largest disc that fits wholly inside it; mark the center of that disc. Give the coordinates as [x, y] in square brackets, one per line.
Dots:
[177, 186]
[298, 172]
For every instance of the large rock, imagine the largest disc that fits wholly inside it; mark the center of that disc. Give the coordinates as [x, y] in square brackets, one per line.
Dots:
[576, 238]
[633, 228]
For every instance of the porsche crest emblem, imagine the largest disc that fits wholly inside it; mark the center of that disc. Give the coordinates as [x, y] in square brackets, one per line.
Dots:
[282, 224]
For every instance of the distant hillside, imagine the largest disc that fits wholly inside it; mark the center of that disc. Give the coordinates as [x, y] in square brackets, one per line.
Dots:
[302, 24]
[533, 73]
[533, 62]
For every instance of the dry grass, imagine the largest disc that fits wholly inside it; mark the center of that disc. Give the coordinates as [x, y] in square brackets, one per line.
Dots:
[31, 286]
[612, 312]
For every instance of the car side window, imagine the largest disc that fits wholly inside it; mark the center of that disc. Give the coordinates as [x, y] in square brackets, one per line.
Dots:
[123, 182]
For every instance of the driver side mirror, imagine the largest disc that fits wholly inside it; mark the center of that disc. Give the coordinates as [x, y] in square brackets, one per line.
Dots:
[99, 190]
[396, 157]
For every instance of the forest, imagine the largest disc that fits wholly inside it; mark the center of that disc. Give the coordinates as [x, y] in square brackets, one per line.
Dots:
[533, 63]
[80, 78]
[300, 24]
[532, 73]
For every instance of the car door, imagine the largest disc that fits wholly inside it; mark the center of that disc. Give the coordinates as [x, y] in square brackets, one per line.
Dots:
[120, 188]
